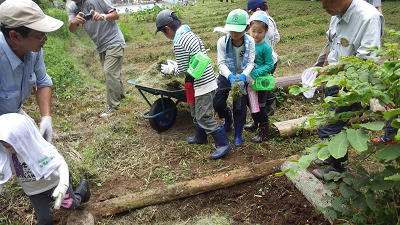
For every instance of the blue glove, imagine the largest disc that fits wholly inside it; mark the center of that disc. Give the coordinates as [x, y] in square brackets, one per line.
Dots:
[242, 78]
[232, 77]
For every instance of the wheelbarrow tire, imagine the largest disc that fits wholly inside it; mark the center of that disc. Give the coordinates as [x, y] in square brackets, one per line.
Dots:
[165, 121]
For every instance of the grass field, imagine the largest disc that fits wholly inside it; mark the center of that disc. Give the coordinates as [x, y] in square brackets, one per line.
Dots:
[124, 148]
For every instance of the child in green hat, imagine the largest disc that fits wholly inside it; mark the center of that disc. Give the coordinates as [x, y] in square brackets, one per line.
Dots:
[236, 52]
[199, 92]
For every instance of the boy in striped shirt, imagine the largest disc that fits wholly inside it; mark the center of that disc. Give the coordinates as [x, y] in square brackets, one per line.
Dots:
[199, 92]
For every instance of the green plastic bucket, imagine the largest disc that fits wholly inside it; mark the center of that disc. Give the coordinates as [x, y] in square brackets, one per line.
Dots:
[198, 64]
[264, 83]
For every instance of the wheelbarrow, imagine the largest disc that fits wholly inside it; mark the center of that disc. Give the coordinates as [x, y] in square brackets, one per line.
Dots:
[162, 113]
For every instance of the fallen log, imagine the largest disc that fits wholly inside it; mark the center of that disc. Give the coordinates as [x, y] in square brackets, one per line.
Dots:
[290, 128]
[287, 81]
[185, 189]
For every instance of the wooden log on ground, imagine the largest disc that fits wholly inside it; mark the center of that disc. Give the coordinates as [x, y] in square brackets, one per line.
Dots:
[312, 188]
[185, 189]
[290, 127]
[287, 81]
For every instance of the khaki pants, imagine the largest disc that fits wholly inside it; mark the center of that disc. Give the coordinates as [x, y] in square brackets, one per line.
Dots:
[111, 61]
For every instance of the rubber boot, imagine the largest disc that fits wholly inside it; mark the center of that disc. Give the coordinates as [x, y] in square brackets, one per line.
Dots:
[238, 136]
[263, 134]
[228, 120]
[319, 162]
[83, 190]
[222, 142]
[335, 165]
[199, 138]
[253, 126]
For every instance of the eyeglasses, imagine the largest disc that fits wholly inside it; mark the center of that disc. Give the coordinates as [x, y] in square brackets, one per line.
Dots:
[39, 38]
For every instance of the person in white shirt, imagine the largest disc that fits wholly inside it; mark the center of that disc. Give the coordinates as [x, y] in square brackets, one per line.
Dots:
[355, 25]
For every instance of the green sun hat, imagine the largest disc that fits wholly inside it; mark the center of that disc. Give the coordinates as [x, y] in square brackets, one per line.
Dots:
[237, 20]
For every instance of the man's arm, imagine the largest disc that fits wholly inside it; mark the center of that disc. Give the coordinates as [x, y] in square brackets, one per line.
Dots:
[73, 24]
[43, 98]
[108, 17]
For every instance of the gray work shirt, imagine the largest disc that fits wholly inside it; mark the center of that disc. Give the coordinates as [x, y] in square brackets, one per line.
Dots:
[351, 34]
[104, 34]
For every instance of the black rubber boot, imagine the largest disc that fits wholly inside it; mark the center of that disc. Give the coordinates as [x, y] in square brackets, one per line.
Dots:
[199, 138]
[83, 190]
[335, 165]
[222, 142]
[319, 162]
[253, 126]
[263, 134]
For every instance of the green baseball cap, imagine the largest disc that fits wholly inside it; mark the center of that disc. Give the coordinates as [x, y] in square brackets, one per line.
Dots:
[237, 20]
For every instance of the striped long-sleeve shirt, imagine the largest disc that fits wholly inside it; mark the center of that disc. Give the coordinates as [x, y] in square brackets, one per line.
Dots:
[185, 47]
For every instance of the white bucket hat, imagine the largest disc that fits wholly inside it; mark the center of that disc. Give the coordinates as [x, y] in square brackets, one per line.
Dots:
[16, 13]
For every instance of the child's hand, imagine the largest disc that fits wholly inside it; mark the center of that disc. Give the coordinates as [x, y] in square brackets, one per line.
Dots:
[59, 194]
[232, 77]
[242, 78]
[169, 68]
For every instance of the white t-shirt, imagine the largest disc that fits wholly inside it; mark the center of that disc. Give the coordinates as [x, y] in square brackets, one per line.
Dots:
[28, 180]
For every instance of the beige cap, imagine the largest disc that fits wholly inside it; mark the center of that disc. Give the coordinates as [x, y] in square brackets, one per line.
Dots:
[16, 13]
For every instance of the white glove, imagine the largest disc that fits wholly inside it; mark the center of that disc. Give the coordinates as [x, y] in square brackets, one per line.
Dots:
[169, 68]
[220, 30]
[45, 128]
[61, 189]
[59, 194]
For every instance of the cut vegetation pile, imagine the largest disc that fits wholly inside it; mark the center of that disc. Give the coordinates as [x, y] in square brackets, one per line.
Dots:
[153, 78]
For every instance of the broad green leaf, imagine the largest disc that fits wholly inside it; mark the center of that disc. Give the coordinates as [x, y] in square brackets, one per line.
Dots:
[324, 153]
[338, 145]
[378, 125]
[347, 191]
[360, 203]
[391, 113]
[313, 150]
[327, 198]
[348, 181]
[305, 161]
[370, 197]
[389, 152]
[294, 90]
[363, 76]
[312, 122]
[293, 160]
[293, 171]
[378, 185]
[393, 177]
[361, 171]
[330, 185]
[358, 139]
[337, 203]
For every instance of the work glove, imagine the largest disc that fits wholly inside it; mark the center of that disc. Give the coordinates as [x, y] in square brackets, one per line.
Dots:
[242, 78]
[62, 188]
[169, 68]
[45, 128]
[59, 194]
[232, 77]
